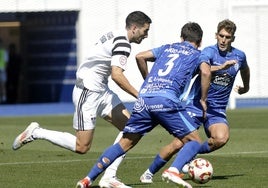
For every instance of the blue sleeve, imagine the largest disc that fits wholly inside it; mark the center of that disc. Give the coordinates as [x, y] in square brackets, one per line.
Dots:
[206, 55]
[158, 51]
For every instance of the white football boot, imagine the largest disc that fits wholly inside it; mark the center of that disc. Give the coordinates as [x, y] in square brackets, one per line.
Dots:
[146, 177]
[25, 137]
[112, 182]
[174, 177]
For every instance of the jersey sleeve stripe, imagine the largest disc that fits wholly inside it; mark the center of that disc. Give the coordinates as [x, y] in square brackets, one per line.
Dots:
[120, 38]
[121, 47]
[121, 53]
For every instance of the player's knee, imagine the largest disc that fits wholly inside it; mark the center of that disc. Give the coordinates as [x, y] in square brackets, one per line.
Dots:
[220, 141]
[82, 149]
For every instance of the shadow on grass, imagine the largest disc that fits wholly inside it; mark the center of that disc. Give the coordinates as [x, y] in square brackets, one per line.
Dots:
[168, 185]
[224, 177]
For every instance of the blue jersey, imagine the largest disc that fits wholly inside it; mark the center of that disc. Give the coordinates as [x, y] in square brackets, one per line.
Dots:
[171, 72]
[222, 81]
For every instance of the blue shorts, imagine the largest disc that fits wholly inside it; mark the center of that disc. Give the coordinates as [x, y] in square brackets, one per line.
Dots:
[214, 115]
[148, 112]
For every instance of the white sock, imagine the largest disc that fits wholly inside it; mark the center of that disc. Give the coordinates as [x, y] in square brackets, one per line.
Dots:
[63, 139]
[173, 169]
[112, 169]
[119, 136]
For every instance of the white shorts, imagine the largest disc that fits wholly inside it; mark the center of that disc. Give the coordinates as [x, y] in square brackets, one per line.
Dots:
[90, 104]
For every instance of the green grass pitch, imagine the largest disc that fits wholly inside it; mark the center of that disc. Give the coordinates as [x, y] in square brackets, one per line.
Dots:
[243, 162]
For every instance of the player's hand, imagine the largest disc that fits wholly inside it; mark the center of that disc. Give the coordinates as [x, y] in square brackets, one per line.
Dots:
[204, 106]
[240, 90]
[228, 64]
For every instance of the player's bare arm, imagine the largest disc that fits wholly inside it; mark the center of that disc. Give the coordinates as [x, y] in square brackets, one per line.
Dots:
[141, 59]
[205, 83]
[224, 66]
[119, 78]
[245, 75]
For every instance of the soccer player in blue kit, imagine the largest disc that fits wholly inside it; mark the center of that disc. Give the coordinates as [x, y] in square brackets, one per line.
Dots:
[159, 100]
[226, 61]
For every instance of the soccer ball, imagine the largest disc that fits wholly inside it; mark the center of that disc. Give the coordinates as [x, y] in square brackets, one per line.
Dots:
[200, 170]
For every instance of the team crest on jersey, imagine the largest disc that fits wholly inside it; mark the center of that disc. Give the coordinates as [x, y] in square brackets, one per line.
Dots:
[123, 60]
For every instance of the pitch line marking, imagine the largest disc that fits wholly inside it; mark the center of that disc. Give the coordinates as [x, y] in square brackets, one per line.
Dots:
[238, 153]
[127, 158]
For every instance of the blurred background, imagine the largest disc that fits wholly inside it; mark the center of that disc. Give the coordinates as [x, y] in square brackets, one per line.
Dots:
[46, 39]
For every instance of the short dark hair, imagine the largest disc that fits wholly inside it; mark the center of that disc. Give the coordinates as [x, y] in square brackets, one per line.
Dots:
[228, 25]
[192, 32]
[137, 17]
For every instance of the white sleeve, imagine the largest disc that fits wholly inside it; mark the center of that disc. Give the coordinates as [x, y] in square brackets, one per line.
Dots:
[119, 61]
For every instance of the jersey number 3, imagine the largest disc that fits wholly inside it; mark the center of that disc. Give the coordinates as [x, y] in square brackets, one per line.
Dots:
[169, 65]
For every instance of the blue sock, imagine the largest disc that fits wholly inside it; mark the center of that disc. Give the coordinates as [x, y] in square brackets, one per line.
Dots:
[204, 148]
[107, 158]
[157, 164]
[186, 154]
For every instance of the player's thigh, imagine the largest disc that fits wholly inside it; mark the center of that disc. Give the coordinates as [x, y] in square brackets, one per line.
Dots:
[84, 138]
[118, 116]
[112, 109]
[219, 130]
[86, 105]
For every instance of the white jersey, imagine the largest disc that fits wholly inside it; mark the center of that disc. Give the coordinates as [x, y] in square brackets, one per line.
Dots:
[112, 49]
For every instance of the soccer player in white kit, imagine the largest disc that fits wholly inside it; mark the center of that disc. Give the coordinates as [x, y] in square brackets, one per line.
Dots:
[92, 97]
